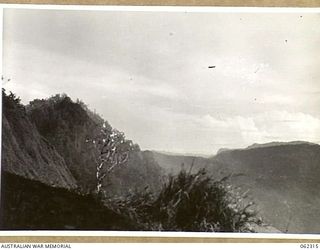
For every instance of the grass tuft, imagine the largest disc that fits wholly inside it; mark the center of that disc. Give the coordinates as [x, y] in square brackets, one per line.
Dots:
[190, 202]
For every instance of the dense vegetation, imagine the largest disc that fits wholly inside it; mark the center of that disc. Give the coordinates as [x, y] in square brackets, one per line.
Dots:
[190, 202]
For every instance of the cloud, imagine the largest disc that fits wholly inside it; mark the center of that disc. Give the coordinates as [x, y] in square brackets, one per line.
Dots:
[130, 86]
[278, 125]
[206, 134]
[289, 125]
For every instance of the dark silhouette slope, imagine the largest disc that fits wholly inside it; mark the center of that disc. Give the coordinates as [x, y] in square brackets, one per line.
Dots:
[27, 204]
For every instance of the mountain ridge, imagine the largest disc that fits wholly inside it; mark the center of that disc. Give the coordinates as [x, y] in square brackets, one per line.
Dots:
[267, 144]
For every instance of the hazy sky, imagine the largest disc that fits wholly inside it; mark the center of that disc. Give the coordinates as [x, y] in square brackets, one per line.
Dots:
[147, 73]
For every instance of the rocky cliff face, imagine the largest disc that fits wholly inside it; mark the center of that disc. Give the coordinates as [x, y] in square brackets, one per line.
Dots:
[26, 153]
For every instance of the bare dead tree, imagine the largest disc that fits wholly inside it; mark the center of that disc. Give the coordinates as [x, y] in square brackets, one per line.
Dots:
[112, 151]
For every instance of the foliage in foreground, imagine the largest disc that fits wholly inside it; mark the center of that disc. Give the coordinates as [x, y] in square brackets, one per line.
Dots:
[189, 202]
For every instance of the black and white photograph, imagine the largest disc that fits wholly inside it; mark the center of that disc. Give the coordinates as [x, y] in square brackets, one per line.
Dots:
[147, 119]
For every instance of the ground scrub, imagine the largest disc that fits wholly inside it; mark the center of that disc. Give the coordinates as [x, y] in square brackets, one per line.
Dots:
[189, 202]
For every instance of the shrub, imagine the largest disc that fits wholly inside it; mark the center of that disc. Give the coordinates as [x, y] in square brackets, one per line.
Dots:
[189, 202]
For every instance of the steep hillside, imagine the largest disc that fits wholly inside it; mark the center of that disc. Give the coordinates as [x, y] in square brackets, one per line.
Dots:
[68, 126]
[27, 204]
[283, 179]
[26, 153]
[291, 160]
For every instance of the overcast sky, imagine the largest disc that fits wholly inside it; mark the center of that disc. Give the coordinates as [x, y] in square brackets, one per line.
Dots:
[147, 73]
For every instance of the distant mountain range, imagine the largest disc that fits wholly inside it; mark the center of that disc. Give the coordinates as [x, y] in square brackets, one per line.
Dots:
[268, 144]
[283, 178]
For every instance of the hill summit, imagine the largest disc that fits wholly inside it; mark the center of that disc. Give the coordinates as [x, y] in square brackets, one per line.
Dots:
[47, 140]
